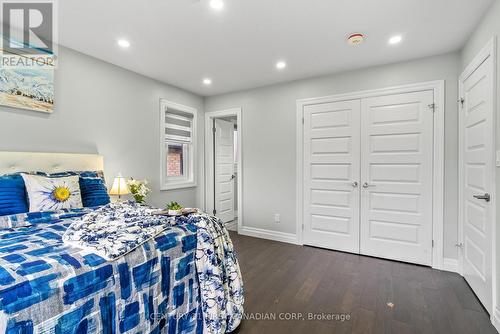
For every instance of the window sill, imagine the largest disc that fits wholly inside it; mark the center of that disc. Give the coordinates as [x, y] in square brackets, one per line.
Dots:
[178, 185]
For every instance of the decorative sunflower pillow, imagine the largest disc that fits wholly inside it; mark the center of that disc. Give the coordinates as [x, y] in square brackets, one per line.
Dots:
[52, 194]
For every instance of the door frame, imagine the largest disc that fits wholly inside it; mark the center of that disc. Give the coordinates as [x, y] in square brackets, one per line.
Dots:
[209, 160]
[438, 155]
[489, 50]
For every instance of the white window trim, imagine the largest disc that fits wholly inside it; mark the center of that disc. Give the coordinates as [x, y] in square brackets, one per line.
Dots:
[165, 184]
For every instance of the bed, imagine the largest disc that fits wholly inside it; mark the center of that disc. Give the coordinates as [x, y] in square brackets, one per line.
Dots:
[184, 278]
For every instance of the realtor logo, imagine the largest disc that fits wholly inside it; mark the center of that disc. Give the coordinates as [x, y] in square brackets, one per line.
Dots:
[29, 36]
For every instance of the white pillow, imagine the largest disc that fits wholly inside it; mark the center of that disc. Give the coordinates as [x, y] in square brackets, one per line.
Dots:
[52, 194]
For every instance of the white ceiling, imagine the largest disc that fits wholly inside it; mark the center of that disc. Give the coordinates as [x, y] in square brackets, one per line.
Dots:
[182, 41]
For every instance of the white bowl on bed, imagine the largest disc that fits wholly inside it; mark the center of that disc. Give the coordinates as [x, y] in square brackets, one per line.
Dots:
[175, 212]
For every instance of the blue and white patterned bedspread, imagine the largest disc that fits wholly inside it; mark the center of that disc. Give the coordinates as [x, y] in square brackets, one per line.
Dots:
[47, 286]
[116, 229]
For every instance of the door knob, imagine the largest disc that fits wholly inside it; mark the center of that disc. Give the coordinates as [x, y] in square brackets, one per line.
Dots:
[233, 177]
[486, 197]
[355, 184]
[367, 185]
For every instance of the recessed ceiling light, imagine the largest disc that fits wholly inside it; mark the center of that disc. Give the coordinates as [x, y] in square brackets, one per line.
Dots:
[395, 39]
[207, 81]
[281, 65]
[123, 43]
[217, 4]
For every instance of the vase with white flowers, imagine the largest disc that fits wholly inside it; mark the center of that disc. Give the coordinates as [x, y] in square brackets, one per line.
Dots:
[139, 189]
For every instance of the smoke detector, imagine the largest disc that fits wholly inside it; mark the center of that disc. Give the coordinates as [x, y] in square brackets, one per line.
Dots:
[355, 39]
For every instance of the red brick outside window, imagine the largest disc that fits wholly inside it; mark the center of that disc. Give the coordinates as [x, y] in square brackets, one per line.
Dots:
[175, 161]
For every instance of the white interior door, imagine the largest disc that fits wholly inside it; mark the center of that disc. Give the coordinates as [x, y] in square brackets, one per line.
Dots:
[224, 170]
[396, 176]
[331, 166]
[477, 182]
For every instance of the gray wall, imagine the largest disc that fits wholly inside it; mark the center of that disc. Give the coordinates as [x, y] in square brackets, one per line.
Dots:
[269, 136]
[101, 108]
[489, 27]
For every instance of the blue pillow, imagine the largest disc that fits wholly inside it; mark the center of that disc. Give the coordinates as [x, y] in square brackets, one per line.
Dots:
[94, 191]
[13, 198]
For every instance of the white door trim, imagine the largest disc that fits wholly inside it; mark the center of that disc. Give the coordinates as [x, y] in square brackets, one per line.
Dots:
[489, 50]
[438, 158]
[209, 186]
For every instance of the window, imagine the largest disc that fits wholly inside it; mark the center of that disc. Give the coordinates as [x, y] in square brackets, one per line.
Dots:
[177, 136]
[175, 159]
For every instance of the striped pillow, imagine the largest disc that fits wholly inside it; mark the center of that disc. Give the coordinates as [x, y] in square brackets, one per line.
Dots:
[12, 195]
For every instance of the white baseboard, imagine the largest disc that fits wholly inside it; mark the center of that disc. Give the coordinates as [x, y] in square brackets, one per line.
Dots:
[450, 265]
[495, 319]
[268, 234]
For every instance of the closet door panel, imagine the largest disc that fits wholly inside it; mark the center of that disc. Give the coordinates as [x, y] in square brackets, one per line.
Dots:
[396, 177]
[331, 166]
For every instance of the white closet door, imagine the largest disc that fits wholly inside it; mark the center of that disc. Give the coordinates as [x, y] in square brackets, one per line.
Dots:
[477, 182]
[396, 177]
[331, 165]
[224, 170]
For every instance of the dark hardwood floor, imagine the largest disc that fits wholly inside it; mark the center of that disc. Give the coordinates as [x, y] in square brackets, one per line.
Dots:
[378, 296]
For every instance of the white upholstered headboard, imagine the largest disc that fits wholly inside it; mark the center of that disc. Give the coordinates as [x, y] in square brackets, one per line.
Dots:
[13, 162]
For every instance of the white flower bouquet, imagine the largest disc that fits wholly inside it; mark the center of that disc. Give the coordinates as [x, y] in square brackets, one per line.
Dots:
[139, 189]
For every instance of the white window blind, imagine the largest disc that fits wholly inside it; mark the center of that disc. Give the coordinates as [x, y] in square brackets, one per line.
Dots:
[178, 126]
[177, 145]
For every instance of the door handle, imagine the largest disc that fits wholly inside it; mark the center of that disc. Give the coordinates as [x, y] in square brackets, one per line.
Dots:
[367, 185]
[486, 197]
